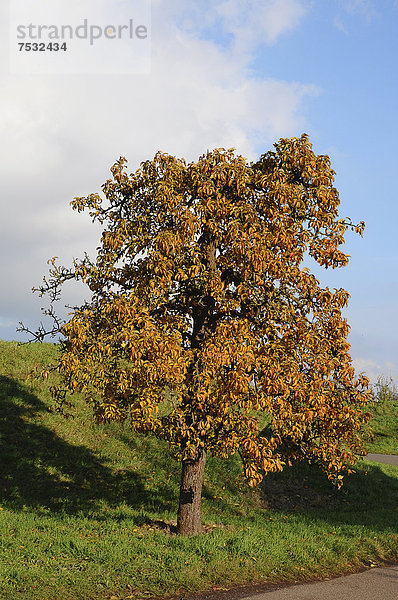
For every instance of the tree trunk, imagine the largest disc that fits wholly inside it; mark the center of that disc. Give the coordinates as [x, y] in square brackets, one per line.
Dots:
[189, 517]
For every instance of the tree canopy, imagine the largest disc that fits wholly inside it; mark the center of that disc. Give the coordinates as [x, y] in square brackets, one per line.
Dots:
[203, 319]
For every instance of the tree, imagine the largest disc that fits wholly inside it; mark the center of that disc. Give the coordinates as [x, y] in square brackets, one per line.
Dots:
[202, 318]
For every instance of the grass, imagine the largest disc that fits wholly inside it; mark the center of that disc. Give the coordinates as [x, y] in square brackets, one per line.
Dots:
[385, 418]
[85, 511]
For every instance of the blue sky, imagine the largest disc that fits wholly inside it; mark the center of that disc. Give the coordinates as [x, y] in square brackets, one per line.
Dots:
[224, 73]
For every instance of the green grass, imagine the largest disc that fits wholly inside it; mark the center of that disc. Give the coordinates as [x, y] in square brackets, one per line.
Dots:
[86, 510]
[385, 418]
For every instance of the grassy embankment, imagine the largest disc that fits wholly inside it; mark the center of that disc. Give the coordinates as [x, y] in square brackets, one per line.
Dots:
[83, 506]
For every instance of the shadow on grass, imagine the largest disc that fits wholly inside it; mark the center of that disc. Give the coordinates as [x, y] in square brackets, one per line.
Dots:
[368, 497]
[39, 469]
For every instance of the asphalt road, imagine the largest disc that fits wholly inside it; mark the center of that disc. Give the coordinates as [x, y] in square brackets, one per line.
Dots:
[375, 584]
[388, 459]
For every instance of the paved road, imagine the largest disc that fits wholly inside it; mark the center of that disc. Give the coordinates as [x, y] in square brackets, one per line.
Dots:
[388, 459]
[375, 584]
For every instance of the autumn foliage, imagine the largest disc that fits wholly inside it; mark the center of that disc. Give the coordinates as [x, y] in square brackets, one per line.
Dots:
[203, 319]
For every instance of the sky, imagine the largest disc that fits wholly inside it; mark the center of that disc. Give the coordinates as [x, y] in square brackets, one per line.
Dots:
[223, 73]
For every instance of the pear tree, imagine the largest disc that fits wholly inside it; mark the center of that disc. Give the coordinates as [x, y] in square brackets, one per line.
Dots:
[203, 319]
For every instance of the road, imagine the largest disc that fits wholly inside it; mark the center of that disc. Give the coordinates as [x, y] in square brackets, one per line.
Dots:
[388, 459]
[375, 584]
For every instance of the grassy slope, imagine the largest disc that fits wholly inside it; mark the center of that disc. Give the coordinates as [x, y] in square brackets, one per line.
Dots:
[83, 506]
[385, 419]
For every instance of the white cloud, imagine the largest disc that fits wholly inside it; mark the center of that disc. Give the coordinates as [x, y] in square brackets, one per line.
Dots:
[338, 23]
[61, 134]
[7, 324]
[250, 23]
[374, 370]
[258, 21]
[245, 23]
[363, 9]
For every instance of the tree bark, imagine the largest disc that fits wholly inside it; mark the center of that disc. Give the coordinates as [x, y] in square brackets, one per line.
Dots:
[189, 516]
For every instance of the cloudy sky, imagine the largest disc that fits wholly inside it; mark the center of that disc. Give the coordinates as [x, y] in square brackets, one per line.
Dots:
[223, 73]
